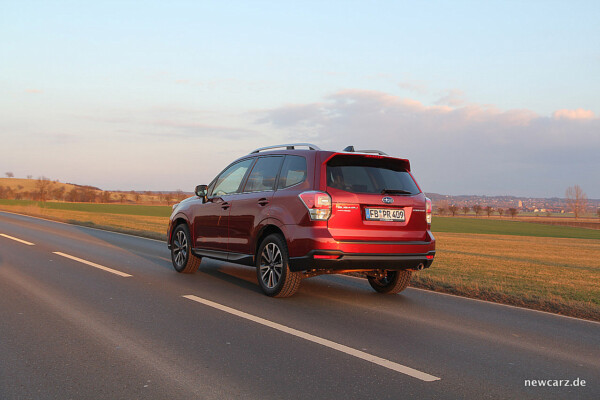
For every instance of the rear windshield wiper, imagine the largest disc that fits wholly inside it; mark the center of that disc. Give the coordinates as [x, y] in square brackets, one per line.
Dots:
[395, 191]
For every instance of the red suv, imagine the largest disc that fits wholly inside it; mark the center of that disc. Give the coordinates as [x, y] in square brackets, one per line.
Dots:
[296, 211]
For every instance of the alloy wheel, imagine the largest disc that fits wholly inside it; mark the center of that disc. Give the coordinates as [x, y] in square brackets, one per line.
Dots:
[180, 248]
[271, 265]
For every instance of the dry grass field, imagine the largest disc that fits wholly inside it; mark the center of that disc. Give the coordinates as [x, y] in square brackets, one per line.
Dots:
[552, 274]
[142, 225]
[526, 266]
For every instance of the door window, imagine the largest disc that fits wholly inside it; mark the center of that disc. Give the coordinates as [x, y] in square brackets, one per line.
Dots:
[230, 180]
[263, 175]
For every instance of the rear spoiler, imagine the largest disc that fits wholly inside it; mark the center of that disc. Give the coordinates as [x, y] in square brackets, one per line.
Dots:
[387, 161]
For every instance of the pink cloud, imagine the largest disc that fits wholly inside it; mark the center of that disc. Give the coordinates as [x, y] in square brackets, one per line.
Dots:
[580, 113]
[455, 149]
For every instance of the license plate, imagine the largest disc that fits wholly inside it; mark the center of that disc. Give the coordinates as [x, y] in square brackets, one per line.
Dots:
[384, 214]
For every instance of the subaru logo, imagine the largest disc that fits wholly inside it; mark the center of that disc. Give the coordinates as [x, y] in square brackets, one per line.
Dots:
[387, 200]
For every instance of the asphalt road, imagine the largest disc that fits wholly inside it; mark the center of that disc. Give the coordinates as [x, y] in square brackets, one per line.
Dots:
[83, 329]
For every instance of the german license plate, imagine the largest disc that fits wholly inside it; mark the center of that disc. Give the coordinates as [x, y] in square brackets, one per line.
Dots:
[384, 214]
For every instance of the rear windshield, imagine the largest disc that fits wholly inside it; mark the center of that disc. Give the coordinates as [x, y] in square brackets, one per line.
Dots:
[370, 175]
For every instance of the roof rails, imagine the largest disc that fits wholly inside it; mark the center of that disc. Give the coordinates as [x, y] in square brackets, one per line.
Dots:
[291, 146]
[350, 149]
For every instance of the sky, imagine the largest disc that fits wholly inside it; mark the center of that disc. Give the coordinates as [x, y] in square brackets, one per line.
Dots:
[487, 98]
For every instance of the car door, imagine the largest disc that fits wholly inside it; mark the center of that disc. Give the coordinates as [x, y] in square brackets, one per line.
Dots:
[211, 219]
[251, 207]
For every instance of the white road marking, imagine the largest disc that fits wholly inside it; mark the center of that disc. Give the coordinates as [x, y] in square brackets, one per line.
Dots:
[17, 240]
[102, 267]
[324, 342]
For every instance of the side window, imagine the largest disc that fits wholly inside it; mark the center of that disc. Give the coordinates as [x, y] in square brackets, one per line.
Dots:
[293, 172]
[230, 180]
[263, 175]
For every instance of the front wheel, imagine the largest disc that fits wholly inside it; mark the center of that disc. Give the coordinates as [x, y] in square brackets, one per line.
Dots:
[392, 282]
[181, 251]
[272, 268]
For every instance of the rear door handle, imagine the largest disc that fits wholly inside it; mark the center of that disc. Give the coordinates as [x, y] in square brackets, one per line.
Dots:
[225, 205]
[263, 202]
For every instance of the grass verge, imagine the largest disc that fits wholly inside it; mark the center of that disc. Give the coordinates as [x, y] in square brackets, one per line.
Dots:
[98, 208]
[141, 225]
[509, 227]
[558, 275]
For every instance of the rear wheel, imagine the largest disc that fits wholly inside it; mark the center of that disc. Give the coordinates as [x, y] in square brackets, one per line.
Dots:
[272, 268]
[391, 282]
[181, 251]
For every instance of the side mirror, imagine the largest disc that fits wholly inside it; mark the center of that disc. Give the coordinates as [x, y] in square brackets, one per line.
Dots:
[201, 192]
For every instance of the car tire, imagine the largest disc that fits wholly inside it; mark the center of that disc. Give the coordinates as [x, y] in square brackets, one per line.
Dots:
[393, 282]
[272, 268]
[181, 251]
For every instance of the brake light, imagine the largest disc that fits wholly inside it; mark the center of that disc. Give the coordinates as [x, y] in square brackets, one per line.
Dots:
[318, 204]
[428, 211]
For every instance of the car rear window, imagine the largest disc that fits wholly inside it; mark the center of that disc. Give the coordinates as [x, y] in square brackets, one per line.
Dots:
[293, 171]
[370, 175]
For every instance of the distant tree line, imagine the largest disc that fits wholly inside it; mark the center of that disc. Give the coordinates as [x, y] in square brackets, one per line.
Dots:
[47, 190]
[477, 209]
[575, 196]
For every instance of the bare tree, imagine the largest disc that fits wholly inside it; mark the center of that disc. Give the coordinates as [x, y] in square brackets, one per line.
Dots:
[122, 197]
[513, 212]
[500, 211]
[179, 195]
[489, 210]
[576, 200]
[43, 187]
[9, 174]
[105, 197]
[598, 212]
[58, 193]
[87, 194]
[29, 176]
[453, 209]
[441, 210]
[477, 208]
[466, 209]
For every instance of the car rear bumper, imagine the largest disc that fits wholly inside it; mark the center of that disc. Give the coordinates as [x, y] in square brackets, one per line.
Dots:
[314, 248]
[337, 260]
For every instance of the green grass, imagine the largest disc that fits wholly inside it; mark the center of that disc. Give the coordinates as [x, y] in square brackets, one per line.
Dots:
[125, 209]
[517, 228]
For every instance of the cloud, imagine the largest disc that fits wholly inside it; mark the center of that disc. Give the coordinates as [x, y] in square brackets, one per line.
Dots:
[415, 87]
[580, 113]
[190, 129]
[454, 149]
[34, 91]
[452, 97]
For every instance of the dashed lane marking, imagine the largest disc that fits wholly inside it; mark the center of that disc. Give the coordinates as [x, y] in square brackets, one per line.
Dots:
[315, 339]
[102, 267]
[16, 239]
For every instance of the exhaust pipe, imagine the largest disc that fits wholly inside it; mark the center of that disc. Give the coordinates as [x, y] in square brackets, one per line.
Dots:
[420, 267]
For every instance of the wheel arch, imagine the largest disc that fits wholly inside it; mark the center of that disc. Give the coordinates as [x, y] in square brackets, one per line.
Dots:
[178, 220]
[266, 230]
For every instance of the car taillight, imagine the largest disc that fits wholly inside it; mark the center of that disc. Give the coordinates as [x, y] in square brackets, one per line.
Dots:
[318, 204]
[428, 211]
